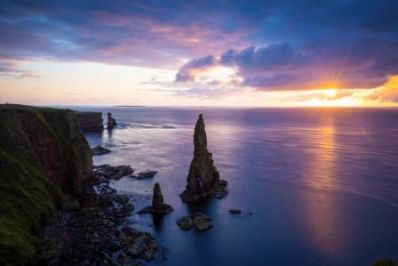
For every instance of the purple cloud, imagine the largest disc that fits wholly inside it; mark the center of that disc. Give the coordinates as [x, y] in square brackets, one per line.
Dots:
[282, 66]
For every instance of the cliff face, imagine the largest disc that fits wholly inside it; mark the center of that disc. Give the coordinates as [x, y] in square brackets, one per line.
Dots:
[43, 158]
[203, 177]
[90, 121]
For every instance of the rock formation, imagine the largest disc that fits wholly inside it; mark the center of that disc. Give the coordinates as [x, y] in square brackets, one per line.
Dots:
[199, 220]
[112, 172]
[158, 206]
[111, 122]
[145, 175]
[99, 150]
[203, 178]
[90, 121]
[45, 160]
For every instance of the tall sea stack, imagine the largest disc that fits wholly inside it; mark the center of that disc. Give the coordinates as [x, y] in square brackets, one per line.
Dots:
[203, 178]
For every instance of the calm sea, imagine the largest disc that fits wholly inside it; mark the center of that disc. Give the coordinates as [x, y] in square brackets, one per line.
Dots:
[322, 184]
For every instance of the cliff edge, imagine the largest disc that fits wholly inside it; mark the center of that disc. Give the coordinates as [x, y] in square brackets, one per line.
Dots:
[44, 160]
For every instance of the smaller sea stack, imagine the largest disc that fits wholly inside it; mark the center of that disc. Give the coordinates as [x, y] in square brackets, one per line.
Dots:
[111, 122]
[158, 206]
[203, 178]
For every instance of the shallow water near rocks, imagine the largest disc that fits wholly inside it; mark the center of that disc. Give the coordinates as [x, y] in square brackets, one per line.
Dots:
[321, 184]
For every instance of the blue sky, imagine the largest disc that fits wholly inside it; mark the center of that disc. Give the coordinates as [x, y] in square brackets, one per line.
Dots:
[200, 51]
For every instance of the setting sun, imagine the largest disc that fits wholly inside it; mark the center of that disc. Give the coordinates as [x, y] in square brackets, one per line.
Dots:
[331, 92]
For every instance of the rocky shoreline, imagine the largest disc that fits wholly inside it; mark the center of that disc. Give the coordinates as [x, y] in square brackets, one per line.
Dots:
[95, 233]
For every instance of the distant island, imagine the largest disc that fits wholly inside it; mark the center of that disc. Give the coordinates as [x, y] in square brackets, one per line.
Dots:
[130, 106]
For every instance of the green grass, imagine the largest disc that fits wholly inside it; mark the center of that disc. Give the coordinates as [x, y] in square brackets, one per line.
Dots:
[26, 193]
[26, 197]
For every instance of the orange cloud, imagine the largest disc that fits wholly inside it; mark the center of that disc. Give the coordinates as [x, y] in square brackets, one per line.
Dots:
[388, 92]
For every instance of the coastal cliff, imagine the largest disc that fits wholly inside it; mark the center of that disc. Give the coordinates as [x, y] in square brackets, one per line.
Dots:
[44, 162]
[90, 121]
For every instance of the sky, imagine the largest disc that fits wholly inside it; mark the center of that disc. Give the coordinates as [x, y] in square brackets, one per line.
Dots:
[199, 53]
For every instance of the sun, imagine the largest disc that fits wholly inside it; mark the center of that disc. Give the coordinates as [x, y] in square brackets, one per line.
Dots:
[331, 98]
[330, 92]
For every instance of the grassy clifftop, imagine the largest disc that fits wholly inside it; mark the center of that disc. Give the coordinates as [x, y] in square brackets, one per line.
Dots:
[43, 158]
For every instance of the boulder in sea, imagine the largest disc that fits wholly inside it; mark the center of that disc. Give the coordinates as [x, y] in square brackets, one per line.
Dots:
[145, 175]
[203, 179]
[199, 220]
[111, 122]
[99, 150]
[235, 211]
[158, 206]
[185, 222]
[113, 172]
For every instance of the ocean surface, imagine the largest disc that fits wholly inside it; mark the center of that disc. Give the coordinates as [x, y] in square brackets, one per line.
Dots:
[321, 184]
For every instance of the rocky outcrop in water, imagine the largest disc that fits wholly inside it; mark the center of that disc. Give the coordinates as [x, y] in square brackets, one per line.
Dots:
[112, 172]
[145, 175]
[158, 206]
[90, 121]
[45, 161]
[199, 220]
[111, 122]
[99, 150]
[203, 178]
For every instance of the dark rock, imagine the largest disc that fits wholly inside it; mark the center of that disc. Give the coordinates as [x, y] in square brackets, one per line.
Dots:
[235, 211]
[99, 150]
[111, 122]
[185, 222]
[203, 178]
[124, 259]
[138, 244]
[222, 183]
[157, 199]
[113, 172]
[199, 220]
[96, 180]
[158, 206]
[219, 192]
[45, 158]
[95, 234]
[144, 175]
[124, 211]
[90, 121]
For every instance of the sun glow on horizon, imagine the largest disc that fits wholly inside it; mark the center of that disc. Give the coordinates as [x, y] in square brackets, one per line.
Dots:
[331, 92]
[330, 98]
[89, 83]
